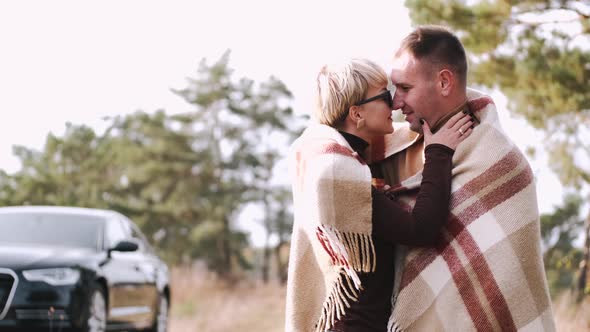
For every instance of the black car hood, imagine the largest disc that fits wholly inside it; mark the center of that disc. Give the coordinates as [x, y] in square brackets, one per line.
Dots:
[21, 257]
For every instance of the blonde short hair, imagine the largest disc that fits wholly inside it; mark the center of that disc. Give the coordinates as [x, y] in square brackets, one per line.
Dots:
[340, 87]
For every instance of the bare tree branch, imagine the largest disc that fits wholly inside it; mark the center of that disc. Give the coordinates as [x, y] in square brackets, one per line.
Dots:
[537, 24]
[544, 8]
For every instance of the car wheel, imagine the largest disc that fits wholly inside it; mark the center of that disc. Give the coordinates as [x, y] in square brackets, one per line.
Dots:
[96, 311]
[161, 322]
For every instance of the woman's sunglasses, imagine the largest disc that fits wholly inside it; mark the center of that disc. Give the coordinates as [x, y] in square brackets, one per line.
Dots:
[386, 96]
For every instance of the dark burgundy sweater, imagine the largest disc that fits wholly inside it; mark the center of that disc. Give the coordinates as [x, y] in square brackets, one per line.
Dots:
[393, 224]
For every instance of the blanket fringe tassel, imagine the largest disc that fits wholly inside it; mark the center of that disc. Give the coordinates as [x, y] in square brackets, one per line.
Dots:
[361, 257]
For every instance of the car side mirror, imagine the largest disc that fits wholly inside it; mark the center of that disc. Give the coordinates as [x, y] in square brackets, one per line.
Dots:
[124, 246]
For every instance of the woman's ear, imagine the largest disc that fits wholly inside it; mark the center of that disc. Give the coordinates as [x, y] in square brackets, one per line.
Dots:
[446, 81]
[354, 113]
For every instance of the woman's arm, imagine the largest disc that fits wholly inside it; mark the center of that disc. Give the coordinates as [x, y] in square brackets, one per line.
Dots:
[394, 224]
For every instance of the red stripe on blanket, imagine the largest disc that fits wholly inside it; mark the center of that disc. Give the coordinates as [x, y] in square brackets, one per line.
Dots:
[326, 244]
[424, 258]
[302, 156]
[472, 251]
[466, 290]
[462, 282]
[335, 148]
[478, 104]
[455, 226]
[488, 283]
[502, 167]
[495, 197]
[337, 259]
[427, 256]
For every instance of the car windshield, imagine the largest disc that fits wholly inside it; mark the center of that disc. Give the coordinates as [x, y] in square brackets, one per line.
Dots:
[69, 230]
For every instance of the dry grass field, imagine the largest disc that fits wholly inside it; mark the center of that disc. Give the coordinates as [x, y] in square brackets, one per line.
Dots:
[570, 317]
[201, 303]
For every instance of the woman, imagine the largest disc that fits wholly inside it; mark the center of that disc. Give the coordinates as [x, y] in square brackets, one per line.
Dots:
[341, 268]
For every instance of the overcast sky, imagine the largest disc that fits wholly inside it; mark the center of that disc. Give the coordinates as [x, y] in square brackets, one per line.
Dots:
[79, 61]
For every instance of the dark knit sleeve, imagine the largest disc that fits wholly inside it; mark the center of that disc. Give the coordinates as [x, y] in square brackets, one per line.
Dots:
[421, 226]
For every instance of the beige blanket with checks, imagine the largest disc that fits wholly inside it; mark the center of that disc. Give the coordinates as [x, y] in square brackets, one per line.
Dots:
[486, 272]
[331, 239]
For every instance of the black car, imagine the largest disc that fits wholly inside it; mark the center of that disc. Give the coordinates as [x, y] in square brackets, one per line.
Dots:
[65, 268]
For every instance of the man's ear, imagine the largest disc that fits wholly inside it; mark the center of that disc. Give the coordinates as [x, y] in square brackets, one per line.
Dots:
[446, 82]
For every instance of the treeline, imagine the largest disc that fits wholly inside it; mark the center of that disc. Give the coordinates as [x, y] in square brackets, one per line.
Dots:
[183, 178]
[565, 260]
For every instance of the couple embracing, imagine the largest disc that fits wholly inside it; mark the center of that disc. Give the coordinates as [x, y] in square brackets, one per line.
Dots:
[429, 226]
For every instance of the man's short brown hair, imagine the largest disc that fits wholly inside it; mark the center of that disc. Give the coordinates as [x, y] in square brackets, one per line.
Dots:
[438, 46]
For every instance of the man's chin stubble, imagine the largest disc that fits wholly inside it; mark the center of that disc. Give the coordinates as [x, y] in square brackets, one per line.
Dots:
[416, 129]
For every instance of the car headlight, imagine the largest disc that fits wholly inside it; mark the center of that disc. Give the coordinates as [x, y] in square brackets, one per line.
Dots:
[55, 277]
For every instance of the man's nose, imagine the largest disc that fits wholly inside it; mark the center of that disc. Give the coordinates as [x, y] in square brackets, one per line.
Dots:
[398, 102]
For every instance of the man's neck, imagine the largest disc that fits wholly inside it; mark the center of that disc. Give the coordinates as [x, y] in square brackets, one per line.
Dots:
[459, 106]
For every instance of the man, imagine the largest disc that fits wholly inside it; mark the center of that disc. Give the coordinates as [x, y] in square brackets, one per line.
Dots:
[486, 272]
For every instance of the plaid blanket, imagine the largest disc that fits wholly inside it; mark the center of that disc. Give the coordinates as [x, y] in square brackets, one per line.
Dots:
[486, 272]
[331, 239]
